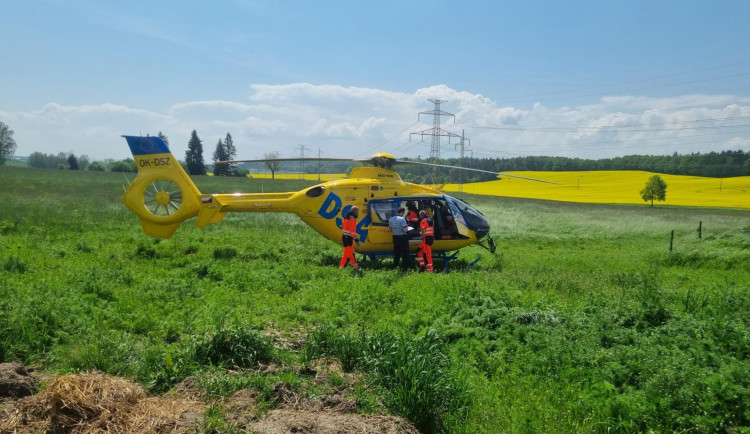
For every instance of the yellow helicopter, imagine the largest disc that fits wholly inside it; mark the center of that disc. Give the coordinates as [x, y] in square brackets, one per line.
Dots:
[163, 196]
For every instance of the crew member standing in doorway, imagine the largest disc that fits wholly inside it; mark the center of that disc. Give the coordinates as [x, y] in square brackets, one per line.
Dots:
[349, 236]
[424, 256]
[399, 227]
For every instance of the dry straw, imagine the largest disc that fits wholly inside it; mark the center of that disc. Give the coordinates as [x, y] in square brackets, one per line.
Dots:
[95, 402]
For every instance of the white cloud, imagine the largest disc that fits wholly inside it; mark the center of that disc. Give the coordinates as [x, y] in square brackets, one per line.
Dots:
[351, 121]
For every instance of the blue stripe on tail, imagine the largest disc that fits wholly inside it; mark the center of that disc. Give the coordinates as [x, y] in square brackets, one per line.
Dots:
[146, 145]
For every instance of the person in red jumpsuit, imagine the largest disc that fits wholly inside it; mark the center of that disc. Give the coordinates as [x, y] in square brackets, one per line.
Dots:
[424, 255]
[349, 237]
[411, 215]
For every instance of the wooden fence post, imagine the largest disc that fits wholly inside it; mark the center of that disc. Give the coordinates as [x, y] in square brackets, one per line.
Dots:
[671, 241]
[700, 229]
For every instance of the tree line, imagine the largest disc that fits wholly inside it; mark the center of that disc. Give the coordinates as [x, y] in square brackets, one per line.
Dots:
[194, 163]
[713, 164]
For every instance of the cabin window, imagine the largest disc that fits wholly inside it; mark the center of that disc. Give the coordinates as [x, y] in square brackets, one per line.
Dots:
[384, 210]
[315, 191]
[474, 219]
[442, 217]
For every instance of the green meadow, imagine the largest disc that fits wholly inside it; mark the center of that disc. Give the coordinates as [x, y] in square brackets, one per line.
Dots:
[582, 321]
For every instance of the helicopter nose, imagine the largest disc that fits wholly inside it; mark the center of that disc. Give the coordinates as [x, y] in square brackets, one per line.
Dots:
[474, 219]
[483, 230]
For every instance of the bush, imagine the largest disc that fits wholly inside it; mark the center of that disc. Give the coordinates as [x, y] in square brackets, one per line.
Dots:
[96, 166]
[109, 351]
[127, 165]
[13, 263]
[145, 252]
[241, 347]
[225, 253]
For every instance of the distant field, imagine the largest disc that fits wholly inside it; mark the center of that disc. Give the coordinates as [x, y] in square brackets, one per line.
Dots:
[616, 187]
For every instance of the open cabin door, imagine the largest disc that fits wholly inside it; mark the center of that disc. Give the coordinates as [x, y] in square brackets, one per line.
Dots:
[380, 211]
[444, 218]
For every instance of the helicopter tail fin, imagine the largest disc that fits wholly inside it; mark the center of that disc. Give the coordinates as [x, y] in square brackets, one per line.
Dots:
[162, 194]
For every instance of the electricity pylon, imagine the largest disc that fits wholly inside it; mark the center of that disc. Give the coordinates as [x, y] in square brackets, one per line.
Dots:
[435, 132]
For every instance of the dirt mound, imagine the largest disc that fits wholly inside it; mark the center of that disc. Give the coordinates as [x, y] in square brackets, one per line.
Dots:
[94, 402]
[316, 422]
[16, 381]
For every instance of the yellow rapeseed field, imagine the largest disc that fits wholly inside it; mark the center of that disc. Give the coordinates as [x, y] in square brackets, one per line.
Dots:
[620, 187]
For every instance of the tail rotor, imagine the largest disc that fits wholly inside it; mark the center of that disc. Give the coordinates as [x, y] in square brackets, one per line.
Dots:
[162, 195]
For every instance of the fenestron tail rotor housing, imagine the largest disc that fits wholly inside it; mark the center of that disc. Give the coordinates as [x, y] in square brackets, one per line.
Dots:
[162, 198]
[162, 194]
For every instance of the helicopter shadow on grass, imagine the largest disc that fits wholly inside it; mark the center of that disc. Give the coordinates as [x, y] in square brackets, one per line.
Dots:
[386, 263]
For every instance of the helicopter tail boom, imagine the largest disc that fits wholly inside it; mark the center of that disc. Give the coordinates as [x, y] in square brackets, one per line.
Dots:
[162, 194]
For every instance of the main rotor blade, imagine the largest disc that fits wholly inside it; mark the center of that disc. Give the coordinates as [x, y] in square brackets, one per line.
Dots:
[473, 170]
[379, 161]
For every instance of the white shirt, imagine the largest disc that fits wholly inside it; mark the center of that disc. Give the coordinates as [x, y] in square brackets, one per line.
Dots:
[397, 225]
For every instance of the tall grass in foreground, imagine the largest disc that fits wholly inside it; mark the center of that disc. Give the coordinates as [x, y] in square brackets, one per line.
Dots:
[415, 375]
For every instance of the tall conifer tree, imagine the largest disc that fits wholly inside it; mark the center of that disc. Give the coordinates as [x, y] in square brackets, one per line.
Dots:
[220, 154]
[163, 137]
[73, 162]
[231, 154]
[194, 156]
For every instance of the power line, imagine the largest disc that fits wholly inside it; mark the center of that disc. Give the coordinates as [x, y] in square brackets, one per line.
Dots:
[618, 127]
[487, 151]
[666, 110]
[635, 140]
[526, 98]
[369, 148]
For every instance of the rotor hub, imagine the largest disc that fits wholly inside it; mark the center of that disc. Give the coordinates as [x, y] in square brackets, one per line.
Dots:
[162, 197]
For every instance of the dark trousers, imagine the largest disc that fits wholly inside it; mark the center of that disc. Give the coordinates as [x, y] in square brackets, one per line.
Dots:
[401, 249]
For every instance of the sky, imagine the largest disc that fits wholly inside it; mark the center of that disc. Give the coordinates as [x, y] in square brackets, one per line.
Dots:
[581, 79]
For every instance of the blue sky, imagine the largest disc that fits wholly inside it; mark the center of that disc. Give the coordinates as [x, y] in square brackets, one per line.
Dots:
[585, 79]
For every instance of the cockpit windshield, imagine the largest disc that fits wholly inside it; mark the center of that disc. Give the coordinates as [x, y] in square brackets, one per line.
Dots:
[472, 218]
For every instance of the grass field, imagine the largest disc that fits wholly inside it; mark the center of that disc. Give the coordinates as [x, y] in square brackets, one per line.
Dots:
[583, 321]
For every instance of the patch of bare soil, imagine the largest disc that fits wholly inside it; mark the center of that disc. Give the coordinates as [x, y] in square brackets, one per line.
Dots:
[331, 413]
[315, 422]
[16, 381]
[293, 339]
